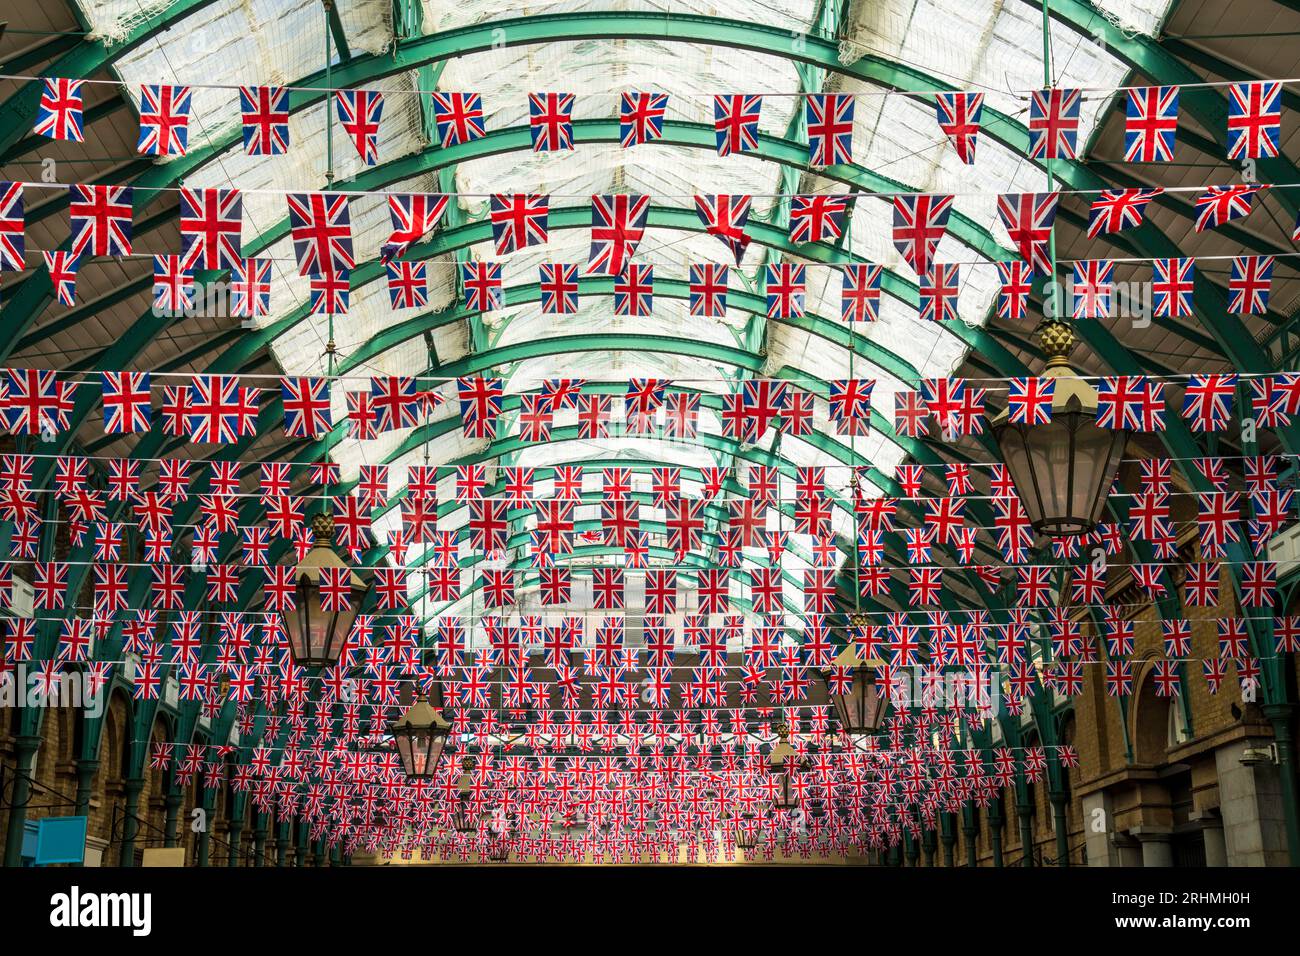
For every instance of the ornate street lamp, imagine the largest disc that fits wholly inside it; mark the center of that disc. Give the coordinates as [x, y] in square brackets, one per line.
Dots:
[1064, 470]
[316, 636]
[859, 711]
[420, 735]
[783, 763]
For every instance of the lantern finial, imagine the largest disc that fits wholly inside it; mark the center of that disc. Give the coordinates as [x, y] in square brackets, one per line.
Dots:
[1056, 340]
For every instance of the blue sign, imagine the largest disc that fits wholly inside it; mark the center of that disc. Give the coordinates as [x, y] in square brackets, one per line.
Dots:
[61, 840]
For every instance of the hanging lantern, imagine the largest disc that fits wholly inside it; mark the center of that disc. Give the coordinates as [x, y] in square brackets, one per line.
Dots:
[747, 832]
[420, 734]
[1064, 470]
[317, 636]
[499, 849]
[463, 818]
[783, 763]
[859, 711]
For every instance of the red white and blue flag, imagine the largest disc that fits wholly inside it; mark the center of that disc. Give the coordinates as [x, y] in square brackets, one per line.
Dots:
[36, 401]
[829, 118]
[708, 289]
[1053, 124]
[817, 218]
[414, 216]
[480, 405]
[359, 114]
[211, 227]
[1029, 400]
[1028, 218]
[250, 288]
[939, 290]
[164, 120]
[321, 227]
[1131, 401]
[330, 292]
[458, 117]
[634, 290]
[1207, 401]
[1093, 285]
[101, 220]
[1115, 210]
[1172, 285]
[220, 410]
[126, 402]
[641, 118]
[919, 223]
[1249, 284]
[173, 285]
[1015, 284]
[1150, 122]
[395, 400]
[408, 284]
[860, 292]
[725, 217]
[559, 284]
[617, 225]
[62, 267]
[518, 220]
[59, 111]
[1220, 204]
[306, 404]
[483, 287]
[959, 118]
[12, 226]
[850, 405]
[786, 290]
[1254, 119]
[264, 116]
[550, 121]
[735, 122]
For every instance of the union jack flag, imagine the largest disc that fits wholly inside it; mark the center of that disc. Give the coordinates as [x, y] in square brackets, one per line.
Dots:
[817, 218]
[634, 290]
[414, 215]
[1172, 285]
[860, 293]
[408, 286]
[264, 116]
[1131, 401]
[480, 405]
[220, 410]
[559, 284]
[761, 403]
[919, 223]
[1150, 121]
[1053, 124]
[850, 405]
[1016, 280]
[959, 118]
[1029, 400]
[617, 225]
[330, 292]
[250, 288]
[1118, 209]
[641, 118]
[58, 114]
[361, 416]
[173, 285]
[725, 217]
[939, 290]
[126, 402]
[62, 267]
[786, 290]
[1207, 402]
[563, 392]
[550, 121]
[1028, 218]
[518, 220]
[164, 120]
[396, 402]
[1220, 204]
[35, 401]
[458, 117]
[708, 289]
[735, 122]
[306, 404]
[321, 228]
[211, 222]
[643, 398]
[1254, 120]
[12, 246]
[1092, 288]
[829, 118]
[1249, 284]
[359, 113]
[101, 220]
[482, 282]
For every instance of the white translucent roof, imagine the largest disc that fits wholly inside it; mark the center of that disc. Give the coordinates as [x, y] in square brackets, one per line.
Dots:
[994, 48]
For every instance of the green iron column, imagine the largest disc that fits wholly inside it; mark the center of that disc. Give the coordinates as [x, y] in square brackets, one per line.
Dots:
[171, 816]
[25, 748]
[1060, 800]
[132, 788]
[86, 770]
[1281, 716]
[259, 838]
[1025, 813]
[236, 833]
[948, 835]
[995, 831]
